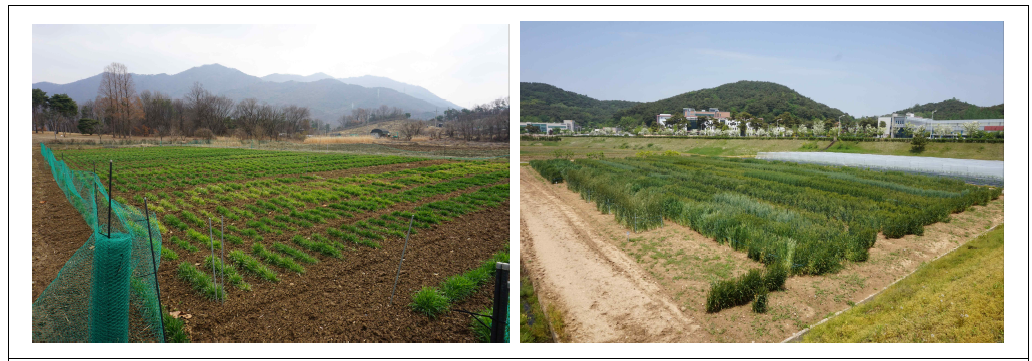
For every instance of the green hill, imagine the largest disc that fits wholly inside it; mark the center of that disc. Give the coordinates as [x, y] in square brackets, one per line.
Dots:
[540, 102]
[953, 109]
[761, 99]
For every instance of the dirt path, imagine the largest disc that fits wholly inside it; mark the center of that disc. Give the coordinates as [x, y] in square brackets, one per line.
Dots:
[683, 263]
[604, 295]
[57, 228]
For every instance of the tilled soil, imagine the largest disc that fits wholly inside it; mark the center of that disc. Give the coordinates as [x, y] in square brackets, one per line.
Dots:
[333, 301]
[347, 300]
[683, 263]
[58, 230]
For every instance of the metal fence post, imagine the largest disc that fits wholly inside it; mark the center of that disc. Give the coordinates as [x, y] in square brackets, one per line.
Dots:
[154, 264]
[501, 302]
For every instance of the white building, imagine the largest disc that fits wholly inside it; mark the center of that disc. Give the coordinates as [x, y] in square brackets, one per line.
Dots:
[662, 118]
[896, 122]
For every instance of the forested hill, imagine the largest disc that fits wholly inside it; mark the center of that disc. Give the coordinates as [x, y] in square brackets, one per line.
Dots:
[540, 102]
[758, 98]
[953, 109]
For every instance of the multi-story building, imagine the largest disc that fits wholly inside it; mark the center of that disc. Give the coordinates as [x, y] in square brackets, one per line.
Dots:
[895, 123]
[550, 127]
[662, 118]
[712, 113]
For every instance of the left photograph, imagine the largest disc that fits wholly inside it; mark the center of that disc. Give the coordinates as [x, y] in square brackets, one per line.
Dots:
[270, 183]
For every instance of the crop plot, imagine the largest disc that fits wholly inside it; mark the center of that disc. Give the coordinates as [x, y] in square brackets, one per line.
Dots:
[720, 233]
[287, 220]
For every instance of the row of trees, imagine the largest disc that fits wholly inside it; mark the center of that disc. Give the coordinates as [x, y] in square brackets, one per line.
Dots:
[362, 116]
[54, 112]
[121, 112]
[484, 122]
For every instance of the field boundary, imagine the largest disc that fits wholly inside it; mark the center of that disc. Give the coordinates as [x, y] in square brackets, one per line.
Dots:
[797, 337]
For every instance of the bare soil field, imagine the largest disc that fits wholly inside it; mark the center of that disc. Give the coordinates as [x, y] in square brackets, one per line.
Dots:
[598, 274]
[57, 228]
[334, 300]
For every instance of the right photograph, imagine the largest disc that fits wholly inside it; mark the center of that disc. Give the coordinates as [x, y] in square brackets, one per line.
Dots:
[742, 182]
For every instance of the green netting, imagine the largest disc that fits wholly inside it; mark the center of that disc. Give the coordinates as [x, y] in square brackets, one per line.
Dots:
[107, 291]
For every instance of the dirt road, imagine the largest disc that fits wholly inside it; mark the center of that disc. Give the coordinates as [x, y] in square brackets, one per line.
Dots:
[605, 295]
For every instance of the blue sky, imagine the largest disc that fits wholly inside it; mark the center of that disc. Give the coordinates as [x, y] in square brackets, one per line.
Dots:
[862, 68]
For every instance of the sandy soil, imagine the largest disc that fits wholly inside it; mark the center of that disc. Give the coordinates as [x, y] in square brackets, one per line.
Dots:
[683, 263]
[602, 292]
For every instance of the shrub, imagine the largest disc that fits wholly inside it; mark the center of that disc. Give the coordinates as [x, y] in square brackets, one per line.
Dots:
[429, 301]
[759, 305]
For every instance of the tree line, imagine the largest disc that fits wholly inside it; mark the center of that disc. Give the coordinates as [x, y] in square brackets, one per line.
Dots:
[121, 112]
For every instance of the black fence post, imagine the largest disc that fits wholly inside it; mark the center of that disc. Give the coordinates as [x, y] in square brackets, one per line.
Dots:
[110, 194]
[501, 303]
[154, 265]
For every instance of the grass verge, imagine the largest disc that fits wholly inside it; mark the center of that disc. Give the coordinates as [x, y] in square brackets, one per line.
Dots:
[533, 321]
[957, 298]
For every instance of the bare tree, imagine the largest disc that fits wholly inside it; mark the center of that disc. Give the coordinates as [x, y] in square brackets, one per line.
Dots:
[246, 114]
[118, 97]
[295, 118]
[219, 110]
[179, 124]
[271, 119]
[411, 129]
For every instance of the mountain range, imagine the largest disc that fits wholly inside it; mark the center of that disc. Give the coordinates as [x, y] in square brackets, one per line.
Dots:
[328, 98]
[546, 103]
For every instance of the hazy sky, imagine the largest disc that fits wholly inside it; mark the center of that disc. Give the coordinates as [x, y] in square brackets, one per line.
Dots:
[862, 68]
[465, 64]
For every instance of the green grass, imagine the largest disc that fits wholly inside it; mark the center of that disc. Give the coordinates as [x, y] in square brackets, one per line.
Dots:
[351, 237]
[429, 301]
[184, 244]
[320, 244]
[275, 259]
[252, 265]
[294, 253]
[482, 328]
[628, 146]
[201, 282]
[174, 331]
[458, 287]
[533, 322]
[169, 254]
[957, 298]
[232, 275]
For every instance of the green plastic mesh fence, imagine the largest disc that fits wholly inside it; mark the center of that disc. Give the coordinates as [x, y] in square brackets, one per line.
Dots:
[107, 291]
